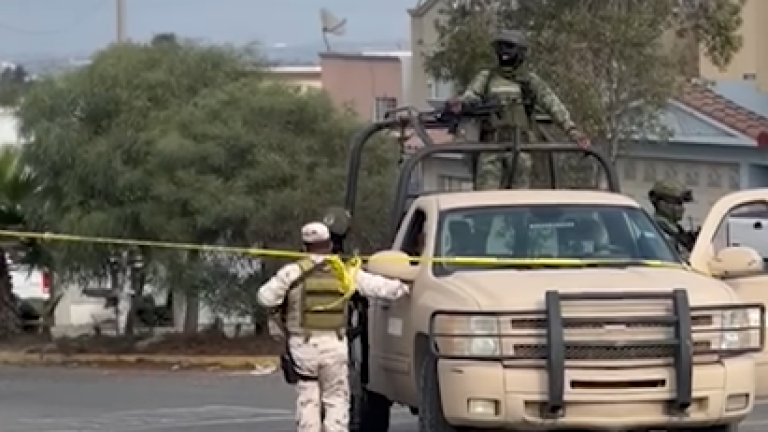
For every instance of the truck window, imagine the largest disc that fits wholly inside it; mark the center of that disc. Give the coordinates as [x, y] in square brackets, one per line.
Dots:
[413, 242]
[552, 231]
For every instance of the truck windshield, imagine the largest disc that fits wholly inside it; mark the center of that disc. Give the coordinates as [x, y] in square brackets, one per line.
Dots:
[567, 232]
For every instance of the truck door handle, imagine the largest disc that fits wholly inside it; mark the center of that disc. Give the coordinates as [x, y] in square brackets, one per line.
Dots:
[385, 305]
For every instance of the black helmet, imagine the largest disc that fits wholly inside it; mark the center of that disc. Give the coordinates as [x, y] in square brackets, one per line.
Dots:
[511, 47]
[337, 220]
[510, 37]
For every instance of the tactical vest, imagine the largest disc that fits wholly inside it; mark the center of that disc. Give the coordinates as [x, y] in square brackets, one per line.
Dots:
[317, 304]
[510, 93]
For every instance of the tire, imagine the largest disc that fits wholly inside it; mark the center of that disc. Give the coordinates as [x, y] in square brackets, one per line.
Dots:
[431, 416]
[375, 412]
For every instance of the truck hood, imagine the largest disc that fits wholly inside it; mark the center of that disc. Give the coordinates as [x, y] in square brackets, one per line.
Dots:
[521, 290]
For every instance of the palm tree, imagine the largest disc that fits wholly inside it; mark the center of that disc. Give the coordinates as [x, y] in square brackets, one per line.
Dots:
[17, 185]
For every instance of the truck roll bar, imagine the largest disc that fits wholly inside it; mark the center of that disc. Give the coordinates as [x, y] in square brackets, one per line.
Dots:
[409, 166]
[405, 117]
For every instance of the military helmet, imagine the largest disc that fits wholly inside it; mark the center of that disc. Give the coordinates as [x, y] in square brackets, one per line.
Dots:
[670, 189]
[510, 37]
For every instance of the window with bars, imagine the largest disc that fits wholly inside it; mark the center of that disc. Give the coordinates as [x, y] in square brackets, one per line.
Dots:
[382, 105]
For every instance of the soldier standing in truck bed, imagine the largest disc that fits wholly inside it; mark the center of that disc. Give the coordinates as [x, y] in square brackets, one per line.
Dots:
[518, 91]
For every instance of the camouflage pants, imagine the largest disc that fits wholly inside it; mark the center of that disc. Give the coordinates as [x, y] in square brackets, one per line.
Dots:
[490, 171]
[325, 357]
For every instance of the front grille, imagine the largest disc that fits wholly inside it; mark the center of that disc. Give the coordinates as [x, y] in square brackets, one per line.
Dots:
[540, 323]
[625, 351]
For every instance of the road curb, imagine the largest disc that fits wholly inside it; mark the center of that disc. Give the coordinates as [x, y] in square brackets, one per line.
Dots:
[227, 362]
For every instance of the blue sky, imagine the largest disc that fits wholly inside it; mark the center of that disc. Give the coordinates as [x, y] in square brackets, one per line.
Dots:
[77, 27]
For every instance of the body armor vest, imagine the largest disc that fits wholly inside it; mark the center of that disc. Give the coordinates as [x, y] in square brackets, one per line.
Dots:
[317, 304]
[510, 94]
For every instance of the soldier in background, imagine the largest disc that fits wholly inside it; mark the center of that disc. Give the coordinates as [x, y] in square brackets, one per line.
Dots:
[316, 326]
[518, 91]
[668, 199]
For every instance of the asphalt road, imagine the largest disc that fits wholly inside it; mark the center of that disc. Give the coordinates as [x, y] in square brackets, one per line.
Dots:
[83, 400]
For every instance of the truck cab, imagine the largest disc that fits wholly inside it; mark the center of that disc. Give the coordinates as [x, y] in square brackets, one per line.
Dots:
[559, 309]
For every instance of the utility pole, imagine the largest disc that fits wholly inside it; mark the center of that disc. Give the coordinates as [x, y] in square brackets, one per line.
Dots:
[121, 14]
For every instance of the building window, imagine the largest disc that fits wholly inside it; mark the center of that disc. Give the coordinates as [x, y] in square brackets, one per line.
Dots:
[440, 90]
[382, 106]
[452, 183]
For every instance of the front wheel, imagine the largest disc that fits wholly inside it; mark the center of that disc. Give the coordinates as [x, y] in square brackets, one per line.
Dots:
[375, 412]
[431, 416]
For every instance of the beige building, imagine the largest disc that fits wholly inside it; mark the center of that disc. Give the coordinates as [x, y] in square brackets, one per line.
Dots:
[751, 63]
[424, 36]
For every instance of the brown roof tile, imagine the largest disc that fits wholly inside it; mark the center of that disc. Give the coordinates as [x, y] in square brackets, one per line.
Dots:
[705, 101]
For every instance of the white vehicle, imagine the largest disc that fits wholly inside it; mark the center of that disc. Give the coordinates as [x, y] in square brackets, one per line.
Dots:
[748, 229]
[30, 283]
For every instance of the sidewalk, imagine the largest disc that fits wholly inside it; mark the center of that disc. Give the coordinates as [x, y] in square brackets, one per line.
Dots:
[141, 360]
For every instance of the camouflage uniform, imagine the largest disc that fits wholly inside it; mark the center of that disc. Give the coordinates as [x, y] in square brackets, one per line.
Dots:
[517, 90]
[320, 352]
[668, 199]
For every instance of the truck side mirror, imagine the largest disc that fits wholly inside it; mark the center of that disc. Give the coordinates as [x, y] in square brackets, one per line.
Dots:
[393, 264]
[736, 261]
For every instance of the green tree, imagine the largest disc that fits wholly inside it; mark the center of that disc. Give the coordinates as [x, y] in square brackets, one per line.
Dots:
[18, 185]
[165, 38]
[605, 58]
[14, 81]
[188, 143]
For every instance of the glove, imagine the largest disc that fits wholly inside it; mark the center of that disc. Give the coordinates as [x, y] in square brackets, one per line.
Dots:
[577, 136]
[405, 289]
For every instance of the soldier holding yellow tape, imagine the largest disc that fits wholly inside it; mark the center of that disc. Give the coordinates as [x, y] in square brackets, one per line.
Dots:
[315, 323]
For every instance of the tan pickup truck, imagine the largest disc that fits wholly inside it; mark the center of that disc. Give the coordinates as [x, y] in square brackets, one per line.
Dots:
[587, 321]
[568, 310]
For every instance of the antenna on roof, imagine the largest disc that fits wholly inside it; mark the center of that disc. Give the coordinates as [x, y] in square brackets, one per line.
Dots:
[331, 25]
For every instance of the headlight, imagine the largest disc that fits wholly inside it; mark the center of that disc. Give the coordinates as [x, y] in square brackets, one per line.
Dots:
[466, 335]
[484, 346]
[742, 329]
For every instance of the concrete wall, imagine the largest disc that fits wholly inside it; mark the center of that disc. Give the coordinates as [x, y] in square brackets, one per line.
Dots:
[357, 80]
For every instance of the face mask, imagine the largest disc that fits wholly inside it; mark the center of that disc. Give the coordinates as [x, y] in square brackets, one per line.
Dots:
[512, 56]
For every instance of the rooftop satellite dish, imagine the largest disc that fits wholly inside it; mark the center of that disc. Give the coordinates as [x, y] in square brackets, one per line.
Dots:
[331, 25]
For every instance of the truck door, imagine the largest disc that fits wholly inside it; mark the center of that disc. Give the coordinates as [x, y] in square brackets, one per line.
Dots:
[752, 288]
[398, 335]
[390, 340]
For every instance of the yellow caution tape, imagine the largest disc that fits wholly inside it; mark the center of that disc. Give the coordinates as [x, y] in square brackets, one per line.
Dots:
[288, 254]
[345, 271]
